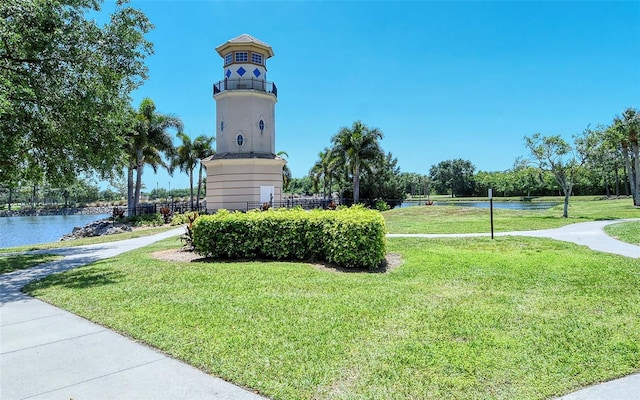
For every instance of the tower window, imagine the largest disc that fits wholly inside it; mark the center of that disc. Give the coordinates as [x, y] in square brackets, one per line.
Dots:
[261, 126]
[242, 56]
[228, 59]
[256, 58]
[221, 126]
[240, 139]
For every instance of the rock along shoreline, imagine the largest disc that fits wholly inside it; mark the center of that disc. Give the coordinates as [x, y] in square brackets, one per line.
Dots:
[97, 228]
[28, 212]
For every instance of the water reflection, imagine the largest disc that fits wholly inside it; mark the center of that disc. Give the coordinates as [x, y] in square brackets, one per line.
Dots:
[21, 231]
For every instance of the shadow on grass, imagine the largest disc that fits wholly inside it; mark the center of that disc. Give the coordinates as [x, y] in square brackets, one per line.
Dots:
[391, 261]
[81, 278]
[21, 261]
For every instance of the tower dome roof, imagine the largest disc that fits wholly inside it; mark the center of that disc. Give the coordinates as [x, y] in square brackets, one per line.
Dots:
[244, 41]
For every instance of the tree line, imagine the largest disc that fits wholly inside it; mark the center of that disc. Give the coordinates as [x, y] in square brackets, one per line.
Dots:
[356, 167]
[602, 160]
[78, 194]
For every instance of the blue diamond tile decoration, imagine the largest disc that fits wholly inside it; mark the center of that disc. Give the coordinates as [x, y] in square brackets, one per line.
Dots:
[256, 72]
[228, 73]
[241, 71]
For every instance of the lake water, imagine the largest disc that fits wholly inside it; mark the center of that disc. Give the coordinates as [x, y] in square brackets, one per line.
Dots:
[510, 205]
[20, 231]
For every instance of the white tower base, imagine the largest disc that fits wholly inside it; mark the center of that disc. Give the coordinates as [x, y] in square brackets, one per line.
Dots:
[234, 183]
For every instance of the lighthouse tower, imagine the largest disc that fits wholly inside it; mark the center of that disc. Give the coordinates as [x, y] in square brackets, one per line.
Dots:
[245, 171]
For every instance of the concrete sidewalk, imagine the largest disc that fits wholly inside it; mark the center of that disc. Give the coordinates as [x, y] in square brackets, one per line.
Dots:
[590, 234]
[49, 353]
[627, 388]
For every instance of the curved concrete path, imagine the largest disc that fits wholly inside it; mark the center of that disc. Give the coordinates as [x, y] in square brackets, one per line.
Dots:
[49, 353]
[590, 234]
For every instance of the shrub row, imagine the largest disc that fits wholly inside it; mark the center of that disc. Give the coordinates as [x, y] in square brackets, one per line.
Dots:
[146, 220]
[348, 237]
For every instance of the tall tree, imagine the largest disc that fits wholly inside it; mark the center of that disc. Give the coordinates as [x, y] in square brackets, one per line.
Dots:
[382, 181]
[64, 86]
[605, 157]
[302, 185]
[552, 153]
[286, 171]
[323, 170]
[454, 176]
[186, 160]
[203, 148]
[357, 147]
[147, 142]
[626, 132]
[525, 177]
[415, 184]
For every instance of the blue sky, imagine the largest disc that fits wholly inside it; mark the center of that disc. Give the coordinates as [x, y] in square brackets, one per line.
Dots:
[441, 80]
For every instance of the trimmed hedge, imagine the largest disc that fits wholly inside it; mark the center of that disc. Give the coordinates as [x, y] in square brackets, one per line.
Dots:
[348, 237]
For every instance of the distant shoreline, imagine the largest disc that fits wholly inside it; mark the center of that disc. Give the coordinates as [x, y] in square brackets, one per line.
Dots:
[30, 212]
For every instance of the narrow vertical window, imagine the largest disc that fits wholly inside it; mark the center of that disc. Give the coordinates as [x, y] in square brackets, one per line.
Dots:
[228, 59]
[240, 139]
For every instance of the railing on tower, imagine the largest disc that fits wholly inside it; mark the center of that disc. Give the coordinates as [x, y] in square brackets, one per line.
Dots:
[245, 84]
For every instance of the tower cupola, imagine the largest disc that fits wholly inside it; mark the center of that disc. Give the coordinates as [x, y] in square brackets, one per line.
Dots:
[245, 100]
[245, 58]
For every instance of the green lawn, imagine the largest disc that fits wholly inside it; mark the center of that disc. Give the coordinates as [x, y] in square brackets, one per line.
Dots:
[626, 231]
[466, 318]
[456, 219]
[14, 262]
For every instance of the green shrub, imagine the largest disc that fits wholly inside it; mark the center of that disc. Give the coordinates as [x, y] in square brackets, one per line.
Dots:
[349, 237]
[357, 238]
[181, 219]
[382, 205]
[146, 220]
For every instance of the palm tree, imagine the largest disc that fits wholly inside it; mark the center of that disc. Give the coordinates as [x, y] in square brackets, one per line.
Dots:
[203, 148]
[147, 142]
[129, 153]
[323, 170]
[357, 147]
[186, 160]
[286, 172]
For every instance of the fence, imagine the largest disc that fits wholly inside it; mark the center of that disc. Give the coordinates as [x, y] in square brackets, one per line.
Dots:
[307, 204]
[371, 203]
[244, 84]
[174, 206]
